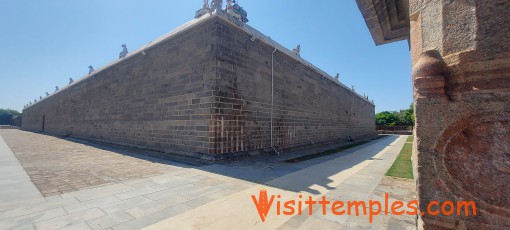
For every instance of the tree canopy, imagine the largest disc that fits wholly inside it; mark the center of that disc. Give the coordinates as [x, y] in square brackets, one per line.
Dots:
[404, 117]
[7, 115]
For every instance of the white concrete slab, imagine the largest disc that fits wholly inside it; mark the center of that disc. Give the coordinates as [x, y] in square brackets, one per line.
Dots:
[14, 181]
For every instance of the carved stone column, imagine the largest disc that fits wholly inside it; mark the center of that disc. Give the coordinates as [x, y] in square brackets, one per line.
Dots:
[461, 76]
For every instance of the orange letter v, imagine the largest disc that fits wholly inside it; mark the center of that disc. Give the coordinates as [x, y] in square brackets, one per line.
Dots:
[263, 205]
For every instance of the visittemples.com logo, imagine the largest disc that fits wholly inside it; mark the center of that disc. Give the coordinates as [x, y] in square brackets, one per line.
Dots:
[266, 203]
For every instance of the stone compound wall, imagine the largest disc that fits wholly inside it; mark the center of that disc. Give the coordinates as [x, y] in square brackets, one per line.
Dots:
[159, 101]
[308, 107]
[206, 92]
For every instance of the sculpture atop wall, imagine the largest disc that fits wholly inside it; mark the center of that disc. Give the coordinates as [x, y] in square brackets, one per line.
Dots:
[40, 98]
[47, 94]
[91, 69]
[71, 81]
[205, 10]
[237, 11]
[56, 88]
[35, 101]
[337, 77]
[216, 5]
[352, 87]
[124, 52]
[232, 9]
[297, 50]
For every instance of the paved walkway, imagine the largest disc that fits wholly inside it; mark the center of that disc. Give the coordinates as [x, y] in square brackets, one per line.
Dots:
[350, 177]
[179, 196]
[59, 166]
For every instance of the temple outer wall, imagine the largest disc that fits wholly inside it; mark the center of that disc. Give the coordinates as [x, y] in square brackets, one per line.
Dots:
[206, 93]
[159, 101]
[308, 107]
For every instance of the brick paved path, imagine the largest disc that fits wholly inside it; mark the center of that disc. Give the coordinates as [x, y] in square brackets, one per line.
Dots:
[59, 166]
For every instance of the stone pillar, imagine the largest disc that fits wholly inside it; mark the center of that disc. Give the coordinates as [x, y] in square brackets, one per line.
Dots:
[461, 77]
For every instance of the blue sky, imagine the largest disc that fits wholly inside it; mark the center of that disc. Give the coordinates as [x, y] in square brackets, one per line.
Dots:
[43, 43]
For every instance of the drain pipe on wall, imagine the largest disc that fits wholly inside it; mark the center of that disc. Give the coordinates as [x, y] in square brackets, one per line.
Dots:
[272, 94]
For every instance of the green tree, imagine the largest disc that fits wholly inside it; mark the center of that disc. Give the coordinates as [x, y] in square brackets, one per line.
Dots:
[386, 118]
[407, 116]
[6, 116]
[404, 117]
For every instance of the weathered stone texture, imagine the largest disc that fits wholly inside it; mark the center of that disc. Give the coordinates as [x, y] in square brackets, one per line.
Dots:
[308, 108]
[160, 101]
[206, 92]
[388, 20]
[461, 76]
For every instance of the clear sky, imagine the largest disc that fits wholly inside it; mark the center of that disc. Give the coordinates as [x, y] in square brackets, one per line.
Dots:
[43, 43]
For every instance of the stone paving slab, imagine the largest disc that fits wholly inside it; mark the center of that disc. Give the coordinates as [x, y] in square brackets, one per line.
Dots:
[14, 182]
[70, 219]
[147, 220]
[33, 218]
[125, 204]
[110, 220]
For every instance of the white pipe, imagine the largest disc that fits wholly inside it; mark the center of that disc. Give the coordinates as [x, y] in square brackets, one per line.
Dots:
[272, 95]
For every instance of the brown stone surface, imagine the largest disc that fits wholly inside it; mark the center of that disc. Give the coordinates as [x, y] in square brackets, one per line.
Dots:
[397, 188]
[462, 130]
[402, 190]
[461, 76]
[59, 166]
[388, 21]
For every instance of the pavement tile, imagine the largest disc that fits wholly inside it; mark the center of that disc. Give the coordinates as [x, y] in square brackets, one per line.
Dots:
[32, 218]
[140, 192]
[24, 227]
[110, 220]
[155, 206]
[198, 202]
[102, 191]
[22, 210]
[176, 182]
[174, 191]
[69, 220]
[140, 183]
[78, 226]
[155, 217]
[221, 194]
[125, 204]
[91, 204]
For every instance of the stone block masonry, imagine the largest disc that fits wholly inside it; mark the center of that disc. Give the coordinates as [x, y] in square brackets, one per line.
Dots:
[206, 92]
